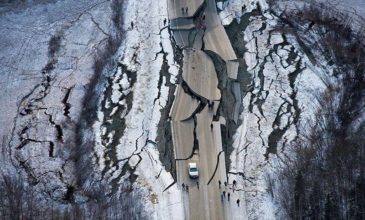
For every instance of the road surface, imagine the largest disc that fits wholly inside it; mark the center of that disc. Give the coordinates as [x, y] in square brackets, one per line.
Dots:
[196, 136]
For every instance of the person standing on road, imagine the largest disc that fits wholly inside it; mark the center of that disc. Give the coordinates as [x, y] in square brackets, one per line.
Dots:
[224, 193]
[187, 188]
[238, 202]
[182, 10]
[209, 104]
[234, 185]
[164, 22]
[186, 10]
[225, 184]
[219, 183]
[222, 197]
[228, 196]
[183, 186]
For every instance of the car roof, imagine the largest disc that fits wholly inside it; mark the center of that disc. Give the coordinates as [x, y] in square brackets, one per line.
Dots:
[192, 165]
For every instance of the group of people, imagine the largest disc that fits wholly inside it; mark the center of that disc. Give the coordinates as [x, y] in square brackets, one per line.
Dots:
[227, 194]
[224, 194]
[185, 187]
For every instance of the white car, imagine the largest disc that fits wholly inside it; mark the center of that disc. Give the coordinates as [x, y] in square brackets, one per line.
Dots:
[193, 170]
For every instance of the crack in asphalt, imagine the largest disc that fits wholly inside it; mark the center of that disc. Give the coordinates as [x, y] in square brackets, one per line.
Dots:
[216, 167]
[191, 92]
[198, 109]
[195, 146]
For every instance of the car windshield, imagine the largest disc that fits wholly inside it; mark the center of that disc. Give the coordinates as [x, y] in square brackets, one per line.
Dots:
[193, 169]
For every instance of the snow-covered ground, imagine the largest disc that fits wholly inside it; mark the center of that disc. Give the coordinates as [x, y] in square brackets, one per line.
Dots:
[36, 97]
[234, 9]
[42, 94]
[280, 103]
[145, 47]
[42, 86]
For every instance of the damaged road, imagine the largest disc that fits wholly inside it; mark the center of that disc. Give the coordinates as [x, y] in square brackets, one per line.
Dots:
[195, 118]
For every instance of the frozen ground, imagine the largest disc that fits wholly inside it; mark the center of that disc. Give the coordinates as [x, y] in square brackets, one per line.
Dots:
[278, 105]
[138, 92]
[42, 84]
[42, 88]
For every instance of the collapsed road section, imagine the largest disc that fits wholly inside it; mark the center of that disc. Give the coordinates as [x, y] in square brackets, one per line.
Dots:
[195, 119]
